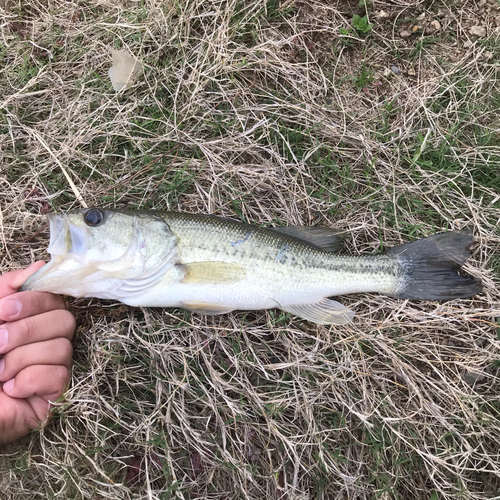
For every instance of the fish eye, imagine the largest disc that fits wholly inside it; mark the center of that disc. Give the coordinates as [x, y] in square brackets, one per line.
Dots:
[93, 217]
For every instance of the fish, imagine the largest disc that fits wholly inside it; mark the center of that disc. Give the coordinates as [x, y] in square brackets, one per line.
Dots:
[212, 265]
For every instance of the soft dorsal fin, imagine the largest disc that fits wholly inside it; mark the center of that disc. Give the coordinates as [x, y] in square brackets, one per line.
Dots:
[325, 312]
[328, 239]
[209, 272]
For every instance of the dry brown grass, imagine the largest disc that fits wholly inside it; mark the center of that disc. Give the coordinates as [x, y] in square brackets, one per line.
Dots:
[264, 111]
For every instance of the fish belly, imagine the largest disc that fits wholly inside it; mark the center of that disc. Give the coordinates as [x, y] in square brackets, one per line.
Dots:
[238, 296]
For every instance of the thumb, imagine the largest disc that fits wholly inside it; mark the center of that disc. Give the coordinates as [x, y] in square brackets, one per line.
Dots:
[10, 282]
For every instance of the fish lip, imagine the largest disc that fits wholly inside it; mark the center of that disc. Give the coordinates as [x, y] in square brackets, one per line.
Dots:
[58, 249]
[66, 239]
[58, 227]
[32, 283]
[66, 242]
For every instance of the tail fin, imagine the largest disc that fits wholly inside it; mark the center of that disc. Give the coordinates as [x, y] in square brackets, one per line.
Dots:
[429, 267]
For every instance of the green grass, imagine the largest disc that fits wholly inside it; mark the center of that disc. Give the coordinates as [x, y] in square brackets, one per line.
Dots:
[422, 44]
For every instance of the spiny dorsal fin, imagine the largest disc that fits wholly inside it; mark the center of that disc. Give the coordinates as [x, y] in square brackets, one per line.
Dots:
[328, 239]
[325, 312]
[209, 272]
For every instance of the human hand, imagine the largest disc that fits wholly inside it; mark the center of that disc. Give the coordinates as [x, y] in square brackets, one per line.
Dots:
[35, 341]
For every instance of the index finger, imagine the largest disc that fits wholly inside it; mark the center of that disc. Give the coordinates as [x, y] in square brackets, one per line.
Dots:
[25, 304]
[10, 282]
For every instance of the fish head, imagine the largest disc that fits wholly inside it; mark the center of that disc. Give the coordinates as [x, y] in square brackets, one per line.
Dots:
[94, 252]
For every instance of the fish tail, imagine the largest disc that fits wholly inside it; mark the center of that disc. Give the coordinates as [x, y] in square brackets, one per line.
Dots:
[429, 267]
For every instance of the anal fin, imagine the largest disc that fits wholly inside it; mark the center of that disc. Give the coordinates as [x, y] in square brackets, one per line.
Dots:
[325, 312]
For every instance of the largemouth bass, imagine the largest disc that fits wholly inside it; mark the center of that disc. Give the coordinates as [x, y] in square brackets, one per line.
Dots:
[213, 265]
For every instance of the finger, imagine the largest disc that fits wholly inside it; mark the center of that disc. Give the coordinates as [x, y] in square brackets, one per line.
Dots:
[41, 406]
[10, 282]
[17, 417]
[39, 380]
[50, 352]
[24, 304]
[46, 326]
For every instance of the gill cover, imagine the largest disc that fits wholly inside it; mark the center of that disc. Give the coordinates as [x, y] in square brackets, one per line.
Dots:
[105, 253]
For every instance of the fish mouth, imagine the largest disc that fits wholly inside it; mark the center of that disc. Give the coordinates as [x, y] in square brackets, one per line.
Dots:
[67, 245]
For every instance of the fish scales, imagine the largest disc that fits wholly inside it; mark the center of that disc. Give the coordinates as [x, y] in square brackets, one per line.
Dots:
[273, 256]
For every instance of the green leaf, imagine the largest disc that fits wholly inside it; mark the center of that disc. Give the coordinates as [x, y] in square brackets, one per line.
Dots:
[361, 23]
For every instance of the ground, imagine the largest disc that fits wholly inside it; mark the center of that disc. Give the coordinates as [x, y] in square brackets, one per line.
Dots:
[274, 112]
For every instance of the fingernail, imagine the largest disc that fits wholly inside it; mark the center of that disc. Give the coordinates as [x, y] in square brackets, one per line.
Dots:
[2, 365]
[10, 308]
[4, 336]
[8, 386]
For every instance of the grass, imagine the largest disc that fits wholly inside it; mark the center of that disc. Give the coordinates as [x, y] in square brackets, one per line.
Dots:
[275, 113]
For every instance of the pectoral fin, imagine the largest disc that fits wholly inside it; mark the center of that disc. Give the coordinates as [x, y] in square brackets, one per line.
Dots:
[206, 307]
[328, 239]
[325, 312]
[212, 272]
